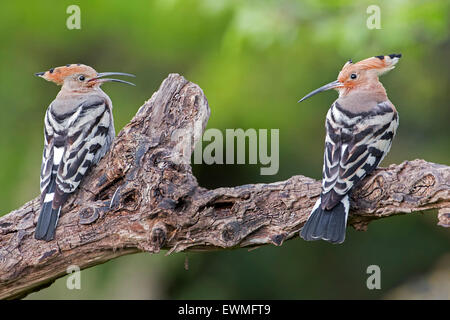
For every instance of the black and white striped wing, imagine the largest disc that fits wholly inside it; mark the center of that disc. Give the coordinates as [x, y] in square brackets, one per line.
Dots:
[76, 137]
[89, 137]
[47, 156]
[354, 146]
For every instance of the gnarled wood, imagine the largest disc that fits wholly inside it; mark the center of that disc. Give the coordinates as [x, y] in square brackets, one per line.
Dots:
[142, 197]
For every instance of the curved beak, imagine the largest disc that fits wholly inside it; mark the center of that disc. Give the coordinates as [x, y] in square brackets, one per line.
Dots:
[99, 78]
[331, 85]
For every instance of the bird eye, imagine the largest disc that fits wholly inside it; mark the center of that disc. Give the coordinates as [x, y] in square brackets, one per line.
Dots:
[81, 78]
[353, 76]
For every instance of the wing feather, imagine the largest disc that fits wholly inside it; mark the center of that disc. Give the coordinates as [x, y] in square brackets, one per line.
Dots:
[354, 147]
[85, 145]
[47, 155]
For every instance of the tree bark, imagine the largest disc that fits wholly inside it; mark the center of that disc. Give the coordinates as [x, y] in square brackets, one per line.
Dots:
[142, 196]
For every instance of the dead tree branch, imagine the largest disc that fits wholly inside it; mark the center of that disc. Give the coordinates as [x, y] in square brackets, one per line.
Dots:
[140, 198]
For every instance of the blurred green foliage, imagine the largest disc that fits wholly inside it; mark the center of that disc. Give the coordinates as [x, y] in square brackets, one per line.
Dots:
[254, 60]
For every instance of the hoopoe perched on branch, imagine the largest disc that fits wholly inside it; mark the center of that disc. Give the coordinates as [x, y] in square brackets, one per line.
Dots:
[360, 126]
[78, 131]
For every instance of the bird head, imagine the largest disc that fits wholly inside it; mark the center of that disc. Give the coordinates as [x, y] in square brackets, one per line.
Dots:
[79, 77]
[361, 74]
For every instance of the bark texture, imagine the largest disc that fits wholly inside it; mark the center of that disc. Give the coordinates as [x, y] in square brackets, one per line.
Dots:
[142, 196]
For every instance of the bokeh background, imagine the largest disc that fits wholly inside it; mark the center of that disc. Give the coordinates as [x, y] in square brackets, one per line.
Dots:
[254, 60]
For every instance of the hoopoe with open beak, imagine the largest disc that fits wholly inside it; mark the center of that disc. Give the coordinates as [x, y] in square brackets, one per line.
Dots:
[78, 131]
[360, 126]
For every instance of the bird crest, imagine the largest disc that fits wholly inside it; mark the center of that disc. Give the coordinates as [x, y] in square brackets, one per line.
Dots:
[380, 64]
[58, 74]
[80, 76]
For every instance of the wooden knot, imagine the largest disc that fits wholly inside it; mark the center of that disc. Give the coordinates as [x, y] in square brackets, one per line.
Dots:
[231, 231]
[278, 239]
[422, 186]
[373, 192]
[130, 199]
[88, 215]
[158, 236]
[246, 195]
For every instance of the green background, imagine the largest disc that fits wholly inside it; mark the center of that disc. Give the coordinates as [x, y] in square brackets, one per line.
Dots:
[254, 60]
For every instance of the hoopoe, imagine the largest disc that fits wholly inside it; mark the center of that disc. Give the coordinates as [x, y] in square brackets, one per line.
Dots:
[360, 126]
[78, 131]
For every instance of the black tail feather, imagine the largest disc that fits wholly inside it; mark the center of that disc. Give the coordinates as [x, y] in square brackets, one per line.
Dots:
[328, 225]
[46, 225]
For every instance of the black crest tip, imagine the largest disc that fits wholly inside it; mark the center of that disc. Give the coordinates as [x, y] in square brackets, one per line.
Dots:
[395, 55]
